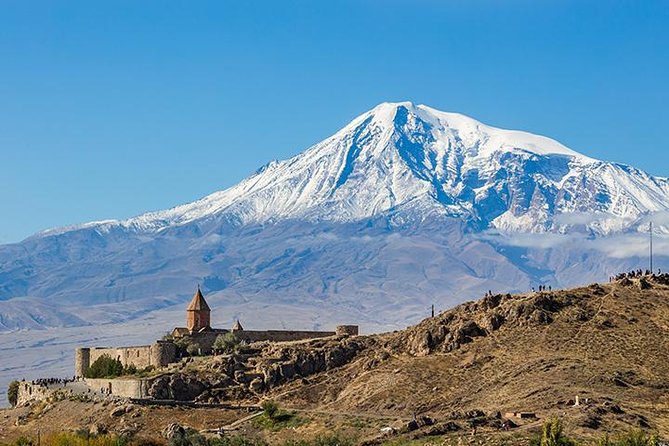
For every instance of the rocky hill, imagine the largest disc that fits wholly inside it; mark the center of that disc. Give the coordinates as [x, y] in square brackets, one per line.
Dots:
[595, 356]
[605, 344]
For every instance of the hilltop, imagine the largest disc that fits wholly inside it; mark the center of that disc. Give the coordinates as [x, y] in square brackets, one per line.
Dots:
[536, 352]
[604, 346]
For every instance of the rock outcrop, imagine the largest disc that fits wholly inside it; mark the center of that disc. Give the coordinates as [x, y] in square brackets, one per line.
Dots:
[176, 387]
[257, 369]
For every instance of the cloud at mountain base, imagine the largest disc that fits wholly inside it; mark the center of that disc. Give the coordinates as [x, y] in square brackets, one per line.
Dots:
[619, 246]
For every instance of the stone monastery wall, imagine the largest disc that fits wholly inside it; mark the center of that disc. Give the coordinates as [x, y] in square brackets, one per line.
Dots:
[206, 339]
[161, 353]
[29, 392]
[158, 354]
[139, 356]
[127, 388]
[123, 387]
[280, 335]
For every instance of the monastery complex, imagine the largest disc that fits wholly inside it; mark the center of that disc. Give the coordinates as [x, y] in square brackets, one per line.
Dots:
[199, 331]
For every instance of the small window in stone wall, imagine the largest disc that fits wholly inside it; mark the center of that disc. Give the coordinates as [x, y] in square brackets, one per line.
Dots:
[138, 353]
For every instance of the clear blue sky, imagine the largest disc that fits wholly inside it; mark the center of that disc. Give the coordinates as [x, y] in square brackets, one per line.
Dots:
[110, 109]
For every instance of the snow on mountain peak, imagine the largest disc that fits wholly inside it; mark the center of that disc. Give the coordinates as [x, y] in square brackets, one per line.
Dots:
[496, 139]
[401, 155]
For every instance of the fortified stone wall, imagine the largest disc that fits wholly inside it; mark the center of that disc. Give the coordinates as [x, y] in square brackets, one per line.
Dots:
[123, 387]
[280, 335]
[82, 360]
[126, 388]
[163, 353]
[206, 339]
[347, 330]
[139, 356]
[29, 392]
[158, 354]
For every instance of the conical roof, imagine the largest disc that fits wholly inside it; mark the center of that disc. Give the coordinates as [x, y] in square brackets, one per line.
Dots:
[198, 303]
[237, 326]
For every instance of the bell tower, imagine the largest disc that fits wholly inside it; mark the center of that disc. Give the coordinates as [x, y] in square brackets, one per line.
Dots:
[198, 313]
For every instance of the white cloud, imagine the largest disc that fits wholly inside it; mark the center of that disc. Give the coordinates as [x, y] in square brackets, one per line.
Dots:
[618, 246]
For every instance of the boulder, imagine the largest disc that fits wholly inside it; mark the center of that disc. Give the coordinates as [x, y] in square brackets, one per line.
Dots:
[287, 370]
[492, 301]
[644, 284]
[494, 322]
[117, 411]
[176, 387]
[388, 431]
[174, 430]
[97, 429]
[257, 385]
[442, 428]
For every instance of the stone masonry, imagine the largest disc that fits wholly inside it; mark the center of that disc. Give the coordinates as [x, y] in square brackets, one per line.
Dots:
[198, 330]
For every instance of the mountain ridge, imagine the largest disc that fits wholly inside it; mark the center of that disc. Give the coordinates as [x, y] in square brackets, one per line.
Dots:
[443, 183]
[398, 153]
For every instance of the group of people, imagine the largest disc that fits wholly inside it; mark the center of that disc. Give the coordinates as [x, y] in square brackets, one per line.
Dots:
[633, 274]
[541, 288]
[104, 391]
[47, 382]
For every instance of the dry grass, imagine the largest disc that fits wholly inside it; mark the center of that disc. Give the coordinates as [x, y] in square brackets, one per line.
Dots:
[608, 345]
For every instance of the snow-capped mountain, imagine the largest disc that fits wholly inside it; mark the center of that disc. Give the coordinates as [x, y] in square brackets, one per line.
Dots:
[446, 186]
[403, 208]
[404, 156]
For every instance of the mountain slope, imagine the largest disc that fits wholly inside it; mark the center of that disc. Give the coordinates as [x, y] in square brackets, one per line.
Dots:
[399, 155]
[400, 209]
[534, 352]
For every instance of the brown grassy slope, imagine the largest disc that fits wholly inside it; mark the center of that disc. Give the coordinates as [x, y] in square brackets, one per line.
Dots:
[533, 352]
[70, 416]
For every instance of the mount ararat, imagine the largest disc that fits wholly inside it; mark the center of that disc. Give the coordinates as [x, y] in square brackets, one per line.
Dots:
[404, 207]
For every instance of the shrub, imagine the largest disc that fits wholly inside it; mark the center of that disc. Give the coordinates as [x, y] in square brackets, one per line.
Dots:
[146, 371]
[270, 409]
[193, 349]
[631, 438]
[182, 342]
[332, 440]
[83, 438]
[235, 440]
[275, 419]
[226, 343]
[105, 367]
[24, 441]
[552, 435]
[190, 437]
[322, 440]
[13, 393]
